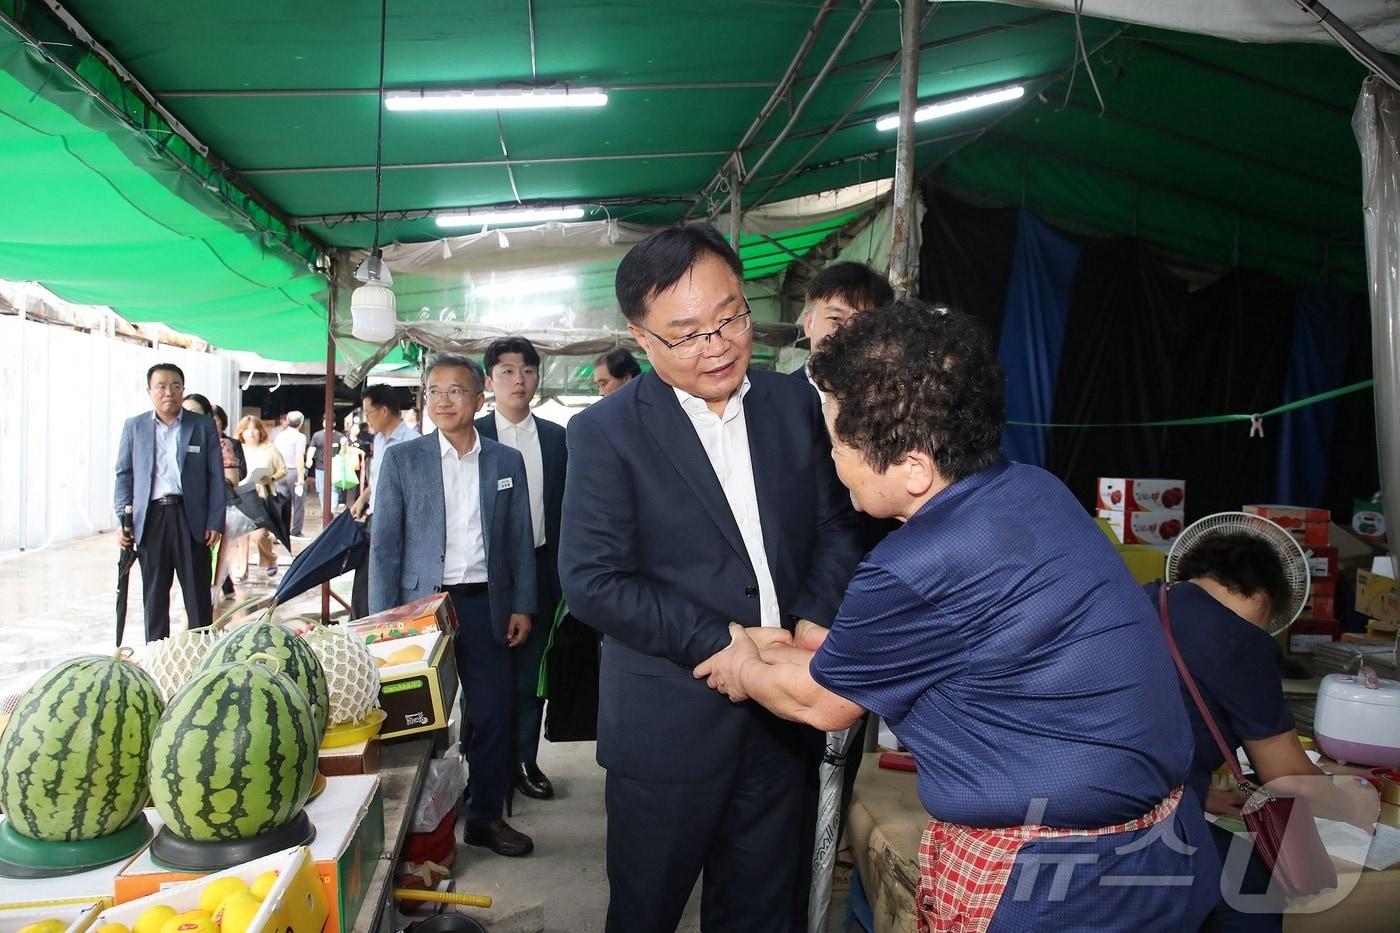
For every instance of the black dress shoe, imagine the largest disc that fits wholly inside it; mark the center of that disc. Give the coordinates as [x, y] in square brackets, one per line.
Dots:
[499, 838]
[531, 782]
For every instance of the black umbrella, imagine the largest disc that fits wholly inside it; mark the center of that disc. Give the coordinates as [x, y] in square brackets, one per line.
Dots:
[263, 511]
[125, 559]
[338, 549]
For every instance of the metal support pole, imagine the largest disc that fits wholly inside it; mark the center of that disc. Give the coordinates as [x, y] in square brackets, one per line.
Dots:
[1351, 40]
[901, 264]
[328, 432]
[736, 184]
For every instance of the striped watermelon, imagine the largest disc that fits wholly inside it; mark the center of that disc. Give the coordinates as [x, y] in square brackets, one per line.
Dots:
[298, 661]
[74, 756]
[234, 755]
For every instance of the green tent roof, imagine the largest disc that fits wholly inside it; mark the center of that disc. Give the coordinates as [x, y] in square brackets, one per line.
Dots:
[1223, 152]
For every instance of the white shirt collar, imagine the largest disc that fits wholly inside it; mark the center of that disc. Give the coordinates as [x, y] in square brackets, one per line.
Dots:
[401, 433]
[525, 427]
[179, 419]
[694, 406]
[445, 448]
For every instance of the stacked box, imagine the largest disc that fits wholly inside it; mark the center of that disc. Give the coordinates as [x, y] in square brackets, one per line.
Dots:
[1151, 512]
[1377, 599]
[1308, 526]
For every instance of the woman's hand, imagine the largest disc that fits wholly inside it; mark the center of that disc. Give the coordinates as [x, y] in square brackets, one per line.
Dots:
[1224, 802]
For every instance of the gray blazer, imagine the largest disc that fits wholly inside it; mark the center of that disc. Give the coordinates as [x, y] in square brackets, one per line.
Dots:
[201, 472]
[409, 540]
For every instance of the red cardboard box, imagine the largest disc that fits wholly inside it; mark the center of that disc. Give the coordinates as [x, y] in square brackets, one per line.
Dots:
[1322, 563]
[1156, 529]
[1125, 494]
[1321, 607]
[1308, 526]
[1327, 587]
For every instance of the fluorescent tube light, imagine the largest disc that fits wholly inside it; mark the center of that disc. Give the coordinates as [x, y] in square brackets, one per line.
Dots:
[499, 218]
[519, 286]
[532, 98]
[957, 105]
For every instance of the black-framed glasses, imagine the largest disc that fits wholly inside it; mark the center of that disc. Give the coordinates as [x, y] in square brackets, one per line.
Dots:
[690, 347]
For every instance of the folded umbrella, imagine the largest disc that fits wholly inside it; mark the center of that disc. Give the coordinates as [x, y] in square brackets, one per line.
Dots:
[264, 511]
[339, 548]
[125, 559]
[838, 747]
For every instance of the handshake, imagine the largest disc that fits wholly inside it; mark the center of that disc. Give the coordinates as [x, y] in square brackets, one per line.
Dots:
[751, 649]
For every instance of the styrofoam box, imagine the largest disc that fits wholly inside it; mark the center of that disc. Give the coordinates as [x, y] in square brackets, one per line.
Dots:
[296, 902]
[79, 917]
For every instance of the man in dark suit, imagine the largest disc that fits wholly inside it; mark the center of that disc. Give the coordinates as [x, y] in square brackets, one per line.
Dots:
[170, 472]
[698, 494]
[513, 374]
[452, 515]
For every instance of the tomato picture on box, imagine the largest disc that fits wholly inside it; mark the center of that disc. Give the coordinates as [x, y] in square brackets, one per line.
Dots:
[1141, 495]
[1157, 529]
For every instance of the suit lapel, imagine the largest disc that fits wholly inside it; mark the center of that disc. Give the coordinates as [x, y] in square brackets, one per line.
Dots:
[488, 468]
[766, 459]
[430, 469]
[675, 437]
[186, 433]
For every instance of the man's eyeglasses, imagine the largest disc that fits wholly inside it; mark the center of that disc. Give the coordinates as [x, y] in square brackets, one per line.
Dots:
[690, 347]
[454, 393]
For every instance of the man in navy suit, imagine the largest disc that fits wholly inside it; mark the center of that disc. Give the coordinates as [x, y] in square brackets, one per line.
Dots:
[698, 494]
[452, 515]
[170, 472]
[513, 374]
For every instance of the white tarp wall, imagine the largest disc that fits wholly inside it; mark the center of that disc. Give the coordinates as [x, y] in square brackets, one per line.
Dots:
[63, 397]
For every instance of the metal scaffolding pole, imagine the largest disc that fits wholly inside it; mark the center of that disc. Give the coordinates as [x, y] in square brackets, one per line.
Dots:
[901, 252]
[328, 430]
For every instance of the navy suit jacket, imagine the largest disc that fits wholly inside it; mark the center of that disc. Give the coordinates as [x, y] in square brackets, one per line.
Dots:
[409, 544]
[554, 455]
[651, 556]
[201, 472]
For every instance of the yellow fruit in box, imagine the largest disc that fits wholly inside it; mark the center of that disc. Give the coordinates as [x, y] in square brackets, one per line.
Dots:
[153, 918]
[45, 926]
[191, 921]
[237, 911]
[407, 655]
[263, 884]
[113, 928]
[215, 892]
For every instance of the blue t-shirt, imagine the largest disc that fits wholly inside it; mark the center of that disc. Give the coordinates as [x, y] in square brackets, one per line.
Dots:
[1013, 653]
[1238, 670]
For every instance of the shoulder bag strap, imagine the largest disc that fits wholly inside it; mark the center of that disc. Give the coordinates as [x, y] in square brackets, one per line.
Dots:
[1230, 757]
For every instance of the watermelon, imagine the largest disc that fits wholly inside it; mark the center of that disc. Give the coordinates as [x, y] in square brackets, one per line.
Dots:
[234, 756]
[74, 756]
[297, 659]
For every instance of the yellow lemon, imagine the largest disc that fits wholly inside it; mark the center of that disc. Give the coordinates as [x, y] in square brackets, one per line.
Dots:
[215, 891]
[153, 918]
[113, 928]
[191, 921]
[237, 911]
[45, 926]
[263, 884]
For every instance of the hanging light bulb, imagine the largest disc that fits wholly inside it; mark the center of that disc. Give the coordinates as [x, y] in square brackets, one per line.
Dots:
[373, 311]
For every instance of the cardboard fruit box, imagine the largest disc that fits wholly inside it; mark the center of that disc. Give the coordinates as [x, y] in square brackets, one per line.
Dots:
[295, 904]
[78, 917]
[1124, 494]
[417, 683]
[429, 614]
[1155, 529]
[1309, 526]
[349, 821]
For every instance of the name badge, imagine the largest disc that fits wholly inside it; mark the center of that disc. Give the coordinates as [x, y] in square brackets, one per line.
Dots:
[194, 448]
[506, 483]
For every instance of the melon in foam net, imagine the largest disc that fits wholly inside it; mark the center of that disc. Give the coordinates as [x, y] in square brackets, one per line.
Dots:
[352, 677]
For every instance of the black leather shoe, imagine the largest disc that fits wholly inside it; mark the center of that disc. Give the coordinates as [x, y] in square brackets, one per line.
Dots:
[531, 782]
[499, 838]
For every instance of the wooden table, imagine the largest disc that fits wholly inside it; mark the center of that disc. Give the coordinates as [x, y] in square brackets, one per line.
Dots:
[402, 770]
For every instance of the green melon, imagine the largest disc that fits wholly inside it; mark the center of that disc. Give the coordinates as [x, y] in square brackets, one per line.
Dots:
[74, 756]
[234, 756]
[298, 661]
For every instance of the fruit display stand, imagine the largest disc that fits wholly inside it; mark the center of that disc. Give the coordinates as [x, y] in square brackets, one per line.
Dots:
[71, 891]
[402, 771]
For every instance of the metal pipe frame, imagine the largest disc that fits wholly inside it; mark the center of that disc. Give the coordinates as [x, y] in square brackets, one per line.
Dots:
[425, 213]
[901, 254]
[328, 426]
[479, 163]
[1351, 40]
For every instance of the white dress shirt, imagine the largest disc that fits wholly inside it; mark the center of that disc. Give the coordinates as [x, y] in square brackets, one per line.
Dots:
[383, 442]
[525, 437]
[464, 558]
[166, 480]
[726, 443]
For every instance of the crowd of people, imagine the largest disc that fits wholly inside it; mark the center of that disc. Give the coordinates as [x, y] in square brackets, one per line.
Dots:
[769, 557]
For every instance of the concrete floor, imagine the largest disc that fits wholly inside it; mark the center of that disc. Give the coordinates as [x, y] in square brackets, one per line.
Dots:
[56, 603]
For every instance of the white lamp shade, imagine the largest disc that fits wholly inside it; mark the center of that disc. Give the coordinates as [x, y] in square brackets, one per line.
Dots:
[373, 313]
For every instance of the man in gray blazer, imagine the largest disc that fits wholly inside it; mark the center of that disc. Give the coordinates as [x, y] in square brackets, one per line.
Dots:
[452, 515]
[170, 472]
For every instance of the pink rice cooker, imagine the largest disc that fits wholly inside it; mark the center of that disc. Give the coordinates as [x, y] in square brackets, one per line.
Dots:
[1358, 719]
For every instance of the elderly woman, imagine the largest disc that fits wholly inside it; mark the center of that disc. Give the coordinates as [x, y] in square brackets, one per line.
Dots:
[1006, 644]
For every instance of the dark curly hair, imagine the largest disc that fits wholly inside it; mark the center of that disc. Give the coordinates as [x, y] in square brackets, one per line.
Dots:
[1241, 562]
[910, 377]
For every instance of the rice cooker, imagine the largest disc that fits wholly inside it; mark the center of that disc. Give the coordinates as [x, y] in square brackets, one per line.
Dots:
[1358, 719]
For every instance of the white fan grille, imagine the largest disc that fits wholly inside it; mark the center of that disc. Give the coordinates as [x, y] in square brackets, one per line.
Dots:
[1290, 554]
